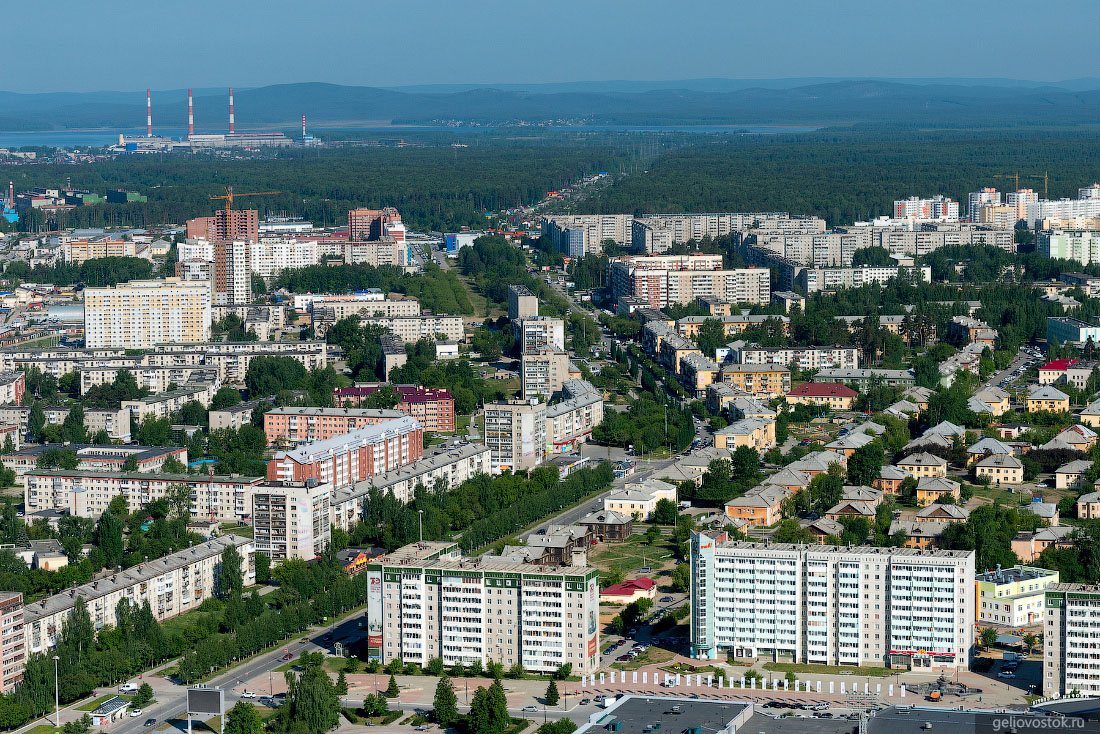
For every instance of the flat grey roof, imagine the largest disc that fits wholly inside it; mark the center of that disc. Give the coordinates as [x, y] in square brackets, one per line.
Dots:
[638, 711]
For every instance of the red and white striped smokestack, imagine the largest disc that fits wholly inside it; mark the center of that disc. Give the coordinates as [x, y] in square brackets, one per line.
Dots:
[303, 126]
[148, 113]
[231, 110]
[11, 193]
[190, 113]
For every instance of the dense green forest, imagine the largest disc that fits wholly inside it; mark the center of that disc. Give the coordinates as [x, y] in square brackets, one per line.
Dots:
[433, 188]
[437, 290]
[846, 176]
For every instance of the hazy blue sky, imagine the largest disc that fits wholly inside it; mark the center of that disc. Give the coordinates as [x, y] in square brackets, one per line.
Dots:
[131, 44]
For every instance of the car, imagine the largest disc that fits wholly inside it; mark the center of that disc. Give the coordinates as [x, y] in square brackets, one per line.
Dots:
[585, 701]
[327, 637]
[288, 656]
[248, 694]
[135, 713]
[773, 705]
[420, 728]
[623, 659]
[819, 706]
[150, 722]
[1006, 674]
[666, 599]
[824, 715]
[128, 688]
[530, 708]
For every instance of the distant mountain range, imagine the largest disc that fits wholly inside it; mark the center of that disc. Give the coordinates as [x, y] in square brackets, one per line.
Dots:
[817, 102]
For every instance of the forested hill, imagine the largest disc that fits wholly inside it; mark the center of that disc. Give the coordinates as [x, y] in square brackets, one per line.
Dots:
[846, 176]
[845, 102]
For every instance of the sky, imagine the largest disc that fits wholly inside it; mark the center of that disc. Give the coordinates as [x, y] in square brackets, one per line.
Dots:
[131, 44]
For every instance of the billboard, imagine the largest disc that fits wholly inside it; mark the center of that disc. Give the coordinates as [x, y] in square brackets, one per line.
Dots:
[206, 701]
[374, 613]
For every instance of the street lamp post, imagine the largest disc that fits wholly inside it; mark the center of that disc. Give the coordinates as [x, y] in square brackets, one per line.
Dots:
[56, 695]
[420, 521]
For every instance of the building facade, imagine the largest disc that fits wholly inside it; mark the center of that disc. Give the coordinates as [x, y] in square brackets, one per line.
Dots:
[292, 519]
[1070, 637]
[831, 605]
[296, 425]
[143, 313]
[425, 600]
[351, 457]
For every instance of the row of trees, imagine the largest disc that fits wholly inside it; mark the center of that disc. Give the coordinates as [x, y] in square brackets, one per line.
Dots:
[436, 289]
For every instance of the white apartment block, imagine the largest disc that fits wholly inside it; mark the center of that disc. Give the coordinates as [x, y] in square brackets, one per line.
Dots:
[292, 519]
[172, 585]
[579, 234]
[351, 305]
[1071, 637]
[232, 272]
[85, 493]
[665, 279]
[163, 405]
[13, 648]
[539, 332]
[450, 464]
[831, 605]
[1043, 209]
[975, 200]
[425, 600]
[272, 256]
[424, 326]
[569, 422]
[386, 251]
[515, 432]
[657, 233]
[156, 379]
[807, 358]
[1081, 245]
[115, 422]
[812, 280]
[143, 313]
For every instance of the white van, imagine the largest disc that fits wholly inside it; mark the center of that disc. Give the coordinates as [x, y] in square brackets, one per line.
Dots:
[128, 688]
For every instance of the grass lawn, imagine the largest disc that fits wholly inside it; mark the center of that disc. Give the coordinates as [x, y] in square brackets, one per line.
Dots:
[462, 423]
[631, 554]
[245, 531]
[872, 672]
[43, 729]
[331, 664]
[652, 656]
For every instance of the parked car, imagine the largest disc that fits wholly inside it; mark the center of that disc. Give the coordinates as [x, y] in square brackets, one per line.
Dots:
[150, 722]
[665, 599]
[585, 701]
[819, 706]
[1006, 674]
[623, 659]
[530, 708]
[248, 694]
[135, 713]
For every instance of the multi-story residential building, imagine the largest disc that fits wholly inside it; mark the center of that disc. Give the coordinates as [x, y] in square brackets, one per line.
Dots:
[543, 371]
[1066, 329]
[758, 380]
[432, 407]
[172, 585]
[975, 200]
[938, 207]
[806, 358]
[689, 325]
[393, 353]
[292, 519]
[569, 422]
[144, 313]
[370, 224]
[13, 643]
[384, 251]
[270, 256]
[673, 349]
[580, 234]
[812, 280]
[638, 499]
[1047, 398]
[665, 279]
[864, 377]
[77, 251]
[1069, 639]
[87, 493]
[657, 233]
[115, 422]
[539, 331]
[295, 425]
[237, 415]
[831, 605]
[449, 465]
[522, 303]
[361, 304]
[232, 224]
[1021, 200]
[1042, 210]
[1090, 284]
[232, 272]
[154, 379]
[1013, 597]
[425, 600]
[98, 458]
[422, 326]
[1081, 245]
[12, 386]
[164, 404]
[832, 395]
[515, 432]
[351, 457]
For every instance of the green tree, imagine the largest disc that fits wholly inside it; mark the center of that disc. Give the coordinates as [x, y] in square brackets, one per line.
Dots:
[392, 691]
[143, 696]
[342, 683]
[681, 577]
[108, 539]
[552, 695]
[375, 704]
[865, 464]
[53, 458]
[445, 702]
[665, 512]
[229, 576]
[131, 463]
[36, 421]
[243, 719]
[711, 336]
[72, 428]
[988, 637]
[263, 567]
[652, 534]
[225, 397]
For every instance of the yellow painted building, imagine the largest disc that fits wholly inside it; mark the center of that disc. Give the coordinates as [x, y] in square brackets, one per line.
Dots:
[759, 380]
[1048, 398]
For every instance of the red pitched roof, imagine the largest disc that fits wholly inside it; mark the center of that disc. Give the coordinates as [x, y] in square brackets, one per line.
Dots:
[629, 588]
[823, 390]
[408, 393]
[1059, 365]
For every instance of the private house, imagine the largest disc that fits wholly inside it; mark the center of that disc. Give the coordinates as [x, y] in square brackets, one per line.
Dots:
[1027, 546]
[629, 591]
[832, 395]
[607, 526]
[889, 479]
[1088, 506]
[761, 505]
[639, 499]
[986, 447]
[1047, 398]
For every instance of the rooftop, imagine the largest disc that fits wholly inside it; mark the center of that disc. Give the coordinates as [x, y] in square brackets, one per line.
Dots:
[1015, 574]
[367, 435]
[823, 390]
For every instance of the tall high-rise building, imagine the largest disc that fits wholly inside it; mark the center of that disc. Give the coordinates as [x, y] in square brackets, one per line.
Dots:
[13, 646]
[670, 279]
[515, 432]
[371, 224]
[1070, 639]
[977, 199]
[236, 224]
[542, 372]
[232, 272]
[938, 207]
[143, 313]
[1020, 200]
[831, 605]
[292, 519]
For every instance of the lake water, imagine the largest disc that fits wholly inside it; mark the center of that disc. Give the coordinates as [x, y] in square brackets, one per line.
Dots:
[103, 138]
